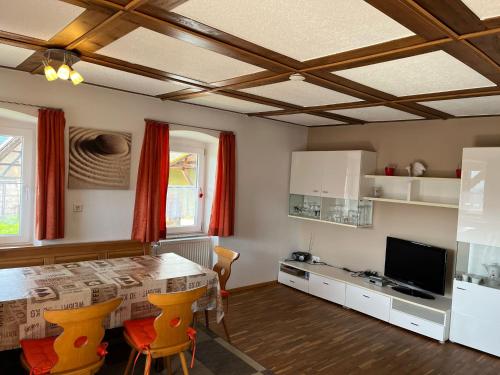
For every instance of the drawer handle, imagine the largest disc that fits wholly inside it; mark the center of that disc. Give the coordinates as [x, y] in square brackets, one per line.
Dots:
[315, 191]
[324, 282]
[415, 324]
[324, 191]
[461, 288]
[364, 295]
[293, 282]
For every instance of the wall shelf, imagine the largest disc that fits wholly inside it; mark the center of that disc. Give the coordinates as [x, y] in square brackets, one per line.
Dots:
[417, 203]
[421, 191]
[329, 222]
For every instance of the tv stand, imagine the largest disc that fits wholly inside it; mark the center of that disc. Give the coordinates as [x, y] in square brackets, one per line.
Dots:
[412, 292]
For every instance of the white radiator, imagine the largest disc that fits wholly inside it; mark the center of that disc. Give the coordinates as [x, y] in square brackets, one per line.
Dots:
[198, 250]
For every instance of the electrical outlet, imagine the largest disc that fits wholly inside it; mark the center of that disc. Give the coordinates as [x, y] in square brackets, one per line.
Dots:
[77, 207]
[315, 259]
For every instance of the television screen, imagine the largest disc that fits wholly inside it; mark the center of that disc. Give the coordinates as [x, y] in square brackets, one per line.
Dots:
[416, 264]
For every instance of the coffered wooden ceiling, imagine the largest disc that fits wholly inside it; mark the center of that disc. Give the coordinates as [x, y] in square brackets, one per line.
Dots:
[363, 61]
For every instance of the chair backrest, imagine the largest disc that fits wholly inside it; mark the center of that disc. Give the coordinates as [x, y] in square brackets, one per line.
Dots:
[176, 316]
[225, 258]
[77, 345]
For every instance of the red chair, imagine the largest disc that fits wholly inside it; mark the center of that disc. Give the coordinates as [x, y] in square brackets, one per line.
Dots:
[168, 334]
[78, 349]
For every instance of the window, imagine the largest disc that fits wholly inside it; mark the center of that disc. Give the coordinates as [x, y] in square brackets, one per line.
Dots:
[16, 177]
[185, 188]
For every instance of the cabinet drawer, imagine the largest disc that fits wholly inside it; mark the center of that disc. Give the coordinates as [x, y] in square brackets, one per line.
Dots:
[293, 281]
[418, 325]
[368, 302]
[328, 289]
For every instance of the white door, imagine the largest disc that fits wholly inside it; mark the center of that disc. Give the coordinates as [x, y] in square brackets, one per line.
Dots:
[306, 171]
[479, 210]
[341, 174]
[475, 317]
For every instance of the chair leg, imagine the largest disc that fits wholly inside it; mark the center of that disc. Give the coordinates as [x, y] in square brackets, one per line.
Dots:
[227, 304]
[167, 363]
[225, 329]
[183, 364]
[130, 361]
[206, 319]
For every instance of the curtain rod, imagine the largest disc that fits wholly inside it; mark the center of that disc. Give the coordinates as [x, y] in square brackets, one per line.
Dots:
[190, 126]
[29, 105]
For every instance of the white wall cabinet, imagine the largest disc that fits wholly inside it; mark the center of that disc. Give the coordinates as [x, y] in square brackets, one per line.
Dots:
[475, 316]
[332, 174]
[479, 208]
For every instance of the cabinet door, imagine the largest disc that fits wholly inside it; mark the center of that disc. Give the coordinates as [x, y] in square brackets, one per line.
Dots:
[306, 172]
[474, 317]
[328, 289]
[479, 210]
[368, 302]
[341, 174]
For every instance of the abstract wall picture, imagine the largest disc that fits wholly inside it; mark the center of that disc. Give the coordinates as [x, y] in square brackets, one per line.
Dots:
[99, 159]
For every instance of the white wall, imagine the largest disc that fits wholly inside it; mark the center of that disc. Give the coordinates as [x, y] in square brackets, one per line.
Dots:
[263, 232]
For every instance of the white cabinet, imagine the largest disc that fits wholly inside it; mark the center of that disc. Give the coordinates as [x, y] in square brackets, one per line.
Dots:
[479, 208]
[416, 324]
[368, 302]
[296, 282]
[475, 316]
[306, 173]
[329, 289]
[332, 174]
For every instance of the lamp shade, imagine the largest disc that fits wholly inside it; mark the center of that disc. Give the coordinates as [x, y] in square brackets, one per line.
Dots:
[50, 73]
[76, 77]
[63, 71]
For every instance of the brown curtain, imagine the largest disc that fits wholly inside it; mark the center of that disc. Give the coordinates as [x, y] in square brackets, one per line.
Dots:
[152, 182]
[50, 175]
[222, 217]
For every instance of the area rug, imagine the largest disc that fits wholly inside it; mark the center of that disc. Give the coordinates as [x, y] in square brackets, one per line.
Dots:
[214, 356]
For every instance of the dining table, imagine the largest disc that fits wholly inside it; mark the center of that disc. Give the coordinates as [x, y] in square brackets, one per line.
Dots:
[26, 292]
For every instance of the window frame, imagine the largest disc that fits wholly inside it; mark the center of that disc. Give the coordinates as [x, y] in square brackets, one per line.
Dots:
[178, 145]
[27, 211]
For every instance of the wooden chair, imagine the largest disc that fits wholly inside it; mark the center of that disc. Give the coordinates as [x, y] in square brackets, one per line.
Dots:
[225, 259]
[78, 349]
[169, 333]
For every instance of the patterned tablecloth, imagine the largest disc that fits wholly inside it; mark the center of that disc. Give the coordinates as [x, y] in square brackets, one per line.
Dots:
[26, 292]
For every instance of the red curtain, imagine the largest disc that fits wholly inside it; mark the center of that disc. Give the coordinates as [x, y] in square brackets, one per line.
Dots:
[222, 217]
[152, 182]
[50, 175]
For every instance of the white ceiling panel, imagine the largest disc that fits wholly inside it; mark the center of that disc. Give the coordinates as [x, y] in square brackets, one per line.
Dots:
[13, 56]
[379, 113]
[36, 18]
[305, 119]
[149, 48]
[421, 74]
[300, 93]
[104, 76]
[301, 29]
[484, 8]
[485, 105]
[230, 104]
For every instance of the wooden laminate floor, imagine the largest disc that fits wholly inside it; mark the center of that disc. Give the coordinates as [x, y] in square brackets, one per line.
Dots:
[291, 332]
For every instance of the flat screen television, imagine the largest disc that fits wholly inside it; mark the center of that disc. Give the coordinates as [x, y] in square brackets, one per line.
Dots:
[416, 264]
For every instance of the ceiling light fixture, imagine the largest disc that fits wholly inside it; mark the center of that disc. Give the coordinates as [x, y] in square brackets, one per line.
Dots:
[296, 77]
[66, 59]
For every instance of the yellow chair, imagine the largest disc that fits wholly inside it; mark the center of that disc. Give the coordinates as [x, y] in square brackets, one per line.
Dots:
[225, 259]
[169, 333]
[78, 349]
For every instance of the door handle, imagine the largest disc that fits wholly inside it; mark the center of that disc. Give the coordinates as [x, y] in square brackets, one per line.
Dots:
[293, 282]
[324, 282]
[461, 288]
[415, 324]
[364, 295]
